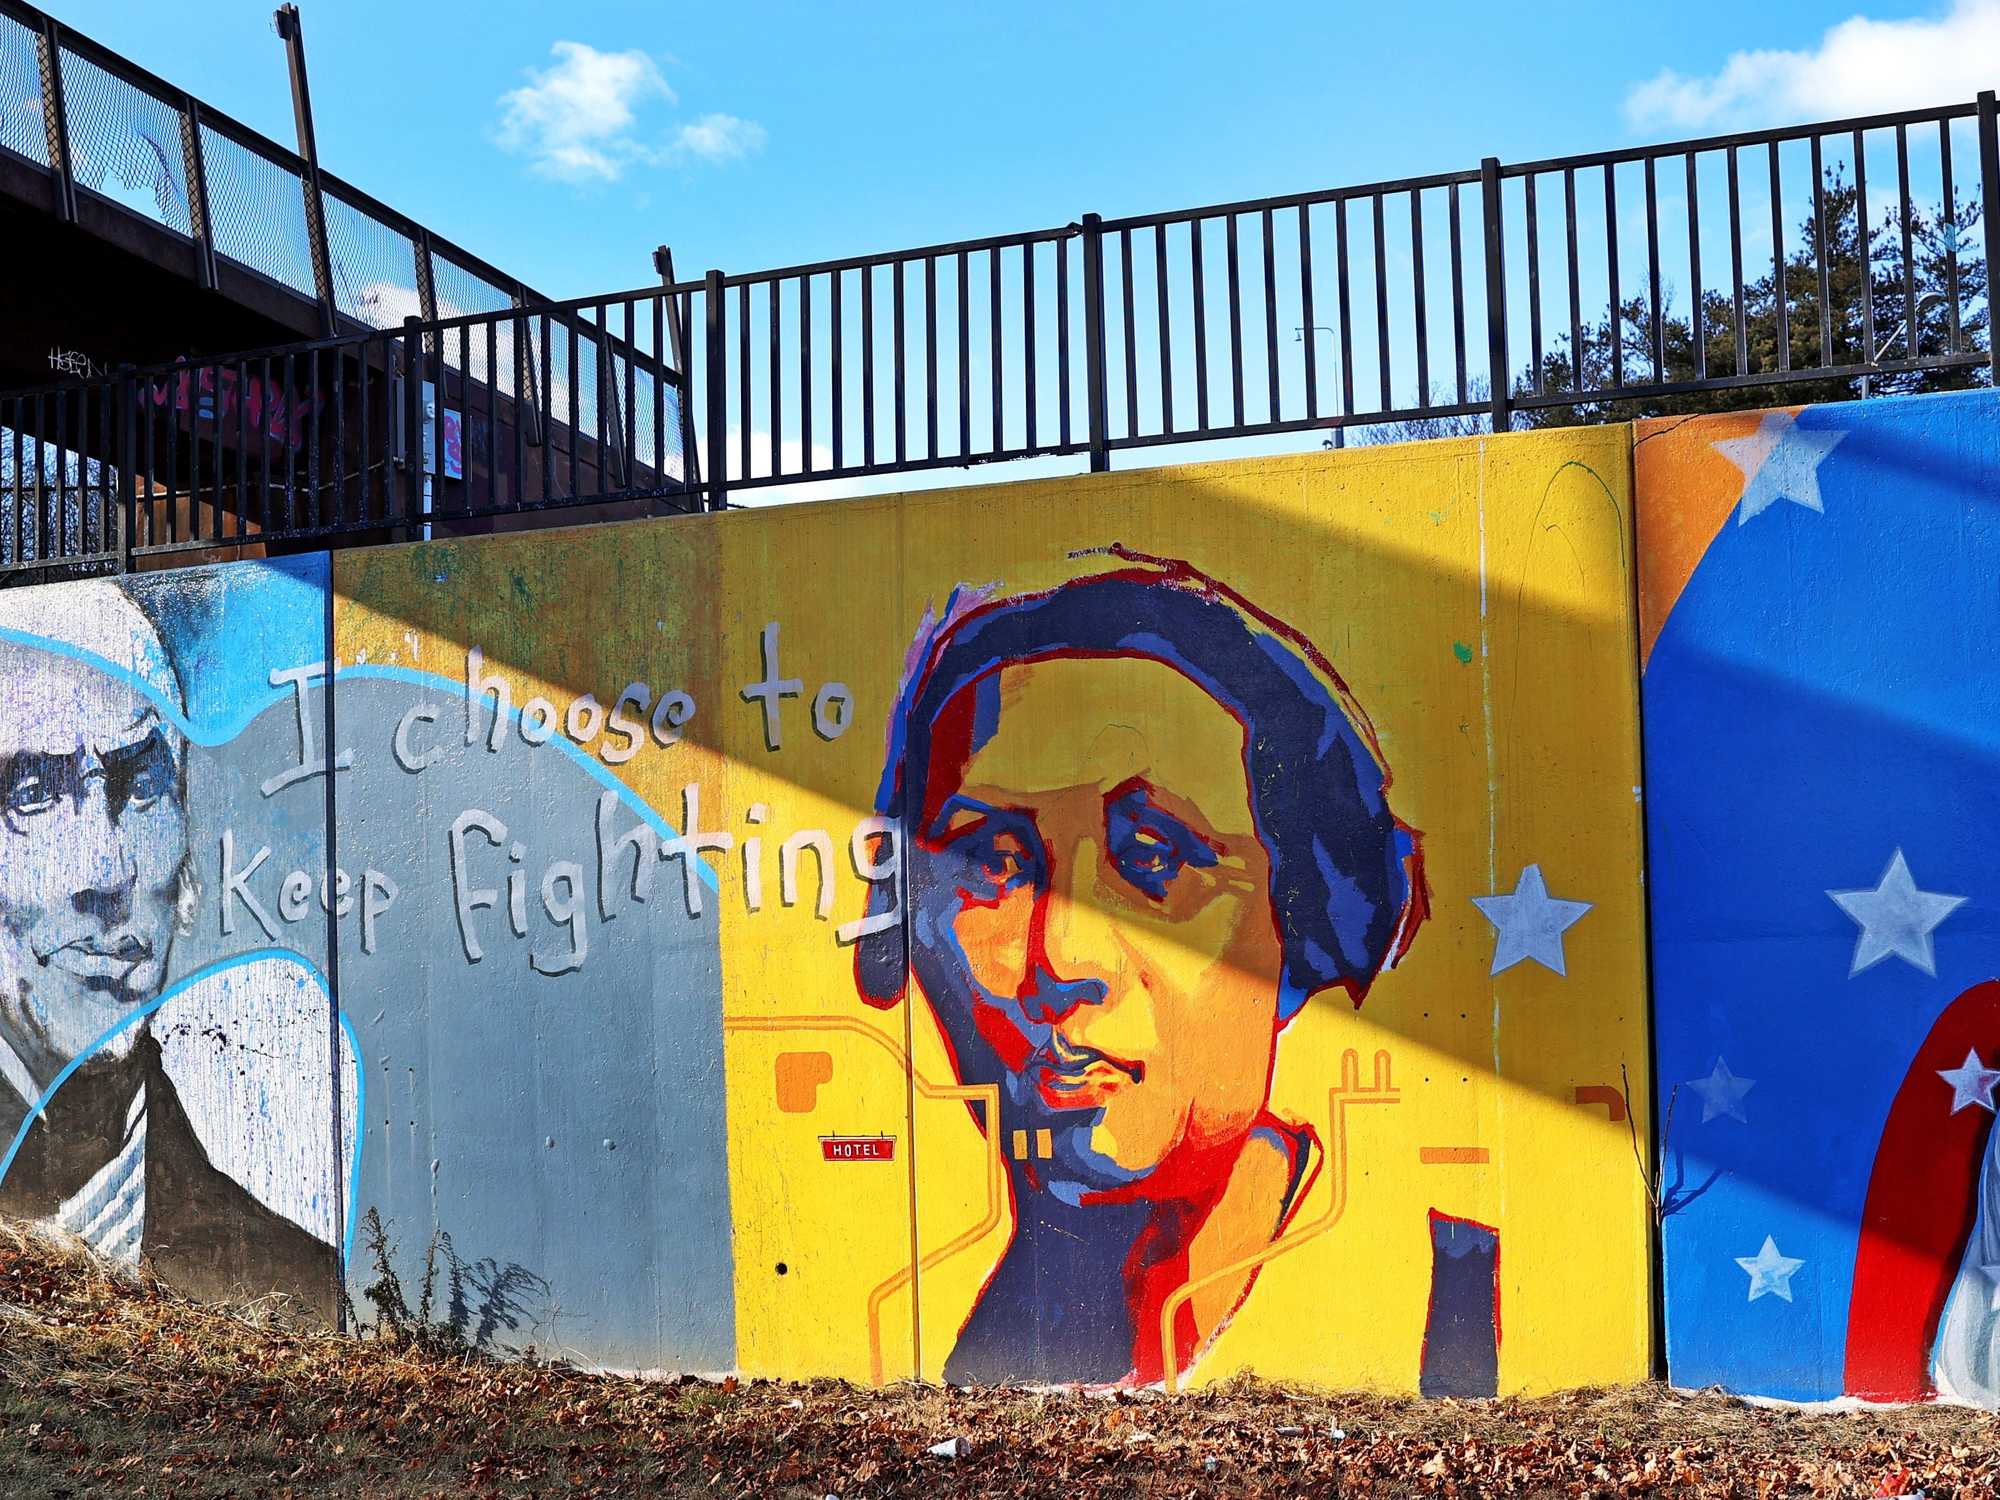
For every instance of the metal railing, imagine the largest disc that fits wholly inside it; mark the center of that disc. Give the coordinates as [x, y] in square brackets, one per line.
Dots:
[1570, 289]
[100, 126]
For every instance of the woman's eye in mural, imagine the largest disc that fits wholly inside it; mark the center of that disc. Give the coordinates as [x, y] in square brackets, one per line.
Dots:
[993, 861]
[987, 853]
[1149, 847]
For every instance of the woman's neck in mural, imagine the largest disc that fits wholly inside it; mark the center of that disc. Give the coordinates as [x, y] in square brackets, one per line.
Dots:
[1077, 1296]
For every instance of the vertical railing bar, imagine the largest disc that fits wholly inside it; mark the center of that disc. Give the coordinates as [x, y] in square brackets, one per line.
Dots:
[774, 394]
[1235, 322]
[713, 473]
[835, 395]
[1779, 291]
[143, 395]
[867, 367]
[1950, 236]
[289, 406]
[1198, 277]
[964, 289]
[1494, 248]
[1166, 336]
[1613, 284]
[1864, 249]
[661, 364]
[413, 419]
[996, 365]
[1533, 215]
[523, 379]
[715, 378]
[575, 404]
[1128, 328]
[606, 415]
[1273, 391]
[631, 388]
[57, 545]
[930, 356]
[1989, 197]
[17, 499]
[1062, 343]
[41, 478]
[900, 269]
[340, 455]
[1575, 283]
[242, 448]
[1096, 396]
[1819, 256]
[1697, 314]
[1457, 293]
[492, 419]
[17, 485]
[1740, 329]
[173, 428]
[1912, 348]
[1656, 339]
[744, 392]
[216, 503]
[1028, 339]
[806, 464]
[264, 447]
[1310, 335]
[1384, 377]
[545, 409]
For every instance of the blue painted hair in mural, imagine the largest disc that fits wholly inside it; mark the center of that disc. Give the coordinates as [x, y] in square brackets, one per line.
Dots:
[1346, 875]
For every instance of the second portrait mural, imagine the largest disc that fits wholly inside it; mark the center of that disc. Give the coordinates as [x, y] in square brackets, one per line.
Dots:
[1110, 930]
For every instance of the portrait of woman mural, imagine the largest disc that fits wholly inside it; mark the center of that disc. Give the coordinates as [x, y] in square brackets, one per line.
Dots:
[1146, 824]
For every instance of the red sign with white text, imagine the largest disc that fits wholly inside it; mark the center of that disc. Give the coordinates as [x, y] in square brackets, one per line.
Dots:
[858, 1147]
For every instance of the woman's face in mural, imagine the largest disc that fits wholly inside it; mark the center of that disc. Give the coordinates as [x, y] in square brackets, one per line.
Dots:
[1095, 927]
[92, 840]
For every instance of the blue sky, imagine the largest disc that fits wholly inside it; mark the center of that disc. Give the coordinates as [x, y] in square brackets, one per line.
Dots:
[760, 135]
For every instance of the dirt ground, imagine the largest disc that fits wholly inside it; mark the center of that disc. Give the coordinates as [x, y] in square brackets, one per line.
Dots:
[110, 1386]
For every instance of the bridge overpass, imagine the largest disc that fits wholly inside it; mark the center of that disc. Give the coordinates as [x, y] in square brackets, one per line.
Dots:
[145, 227]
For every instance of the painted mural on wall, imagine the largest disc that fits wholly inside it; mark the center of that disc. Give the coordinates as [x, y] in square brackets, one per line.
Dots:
[1127, 929]
[1822, 732]
[168, 1090]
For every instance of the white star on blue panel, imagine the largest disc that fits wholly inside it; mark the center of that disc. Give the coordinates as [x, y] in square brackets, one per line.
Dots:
[1895, 919]
[1722, 1093]
[1769, 1271]
[1779, 462]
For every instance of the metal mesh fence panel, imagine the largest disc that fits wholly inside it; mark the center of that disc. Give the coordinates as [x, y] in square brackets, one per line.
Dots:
[374, 267]
[259, 210]
[460, 292]
[125, 143]
[21, 126]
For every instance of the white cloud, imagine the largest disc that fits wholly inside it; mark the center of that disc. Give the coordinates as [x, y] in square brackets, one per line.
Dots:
[1860, 66]
[575, 119]
[719, 138]
[579, 119]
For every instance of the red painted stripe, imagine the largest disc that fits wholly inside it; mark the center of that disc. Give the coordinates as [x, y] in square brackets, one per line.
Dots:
[1919, 1210]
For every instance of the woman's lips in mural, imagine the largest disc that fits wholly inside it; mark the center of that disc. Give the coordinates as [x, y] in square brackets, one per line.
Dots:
[1068, 1076]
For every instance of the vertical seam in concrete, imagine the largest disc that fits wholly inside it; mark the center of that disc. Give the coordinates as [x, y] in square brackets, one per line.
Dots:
[339, 1163]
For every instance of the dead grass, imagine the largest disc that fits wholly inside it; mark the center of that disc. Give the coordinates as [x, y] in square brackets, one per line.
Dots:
[111, 1385]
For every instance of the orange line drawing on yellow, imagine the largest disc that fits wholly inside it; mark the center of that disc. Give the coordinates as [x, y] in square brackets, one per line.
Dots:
[1338, 1098]
[986, 1094]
